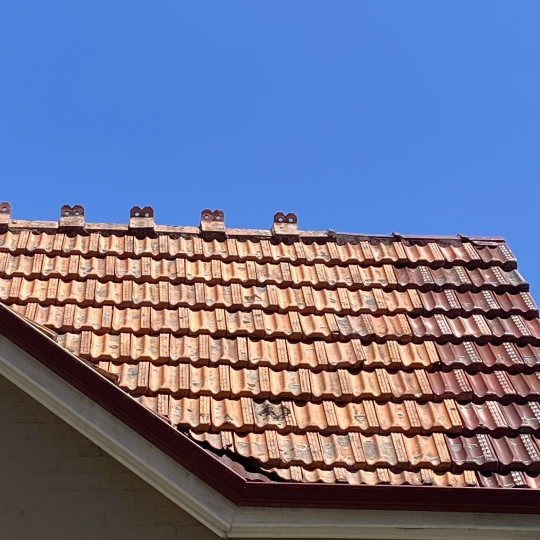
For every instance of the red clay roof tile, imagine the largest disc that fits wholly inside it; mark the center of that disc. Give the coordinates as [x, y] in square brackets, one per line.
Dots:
[335, 359]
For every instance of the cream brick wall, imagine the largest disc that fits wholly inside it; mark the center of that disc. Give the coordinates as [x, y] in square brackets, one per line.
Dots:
[57, 485]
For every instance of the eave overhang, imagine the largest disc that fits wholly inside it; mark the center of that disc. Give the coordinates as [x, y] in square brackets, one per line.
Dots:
[233, 506]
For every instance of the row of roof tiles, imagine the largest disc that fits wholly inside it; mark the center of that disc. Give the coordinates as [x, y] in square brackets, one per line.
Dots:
[424, 477]
[127, 294]
[401, 452]
[283, 354]
[292, 325]
[378, 476]
[367, 416]
[442, 253]
[248, 415]
[341, 385]
[110, 268]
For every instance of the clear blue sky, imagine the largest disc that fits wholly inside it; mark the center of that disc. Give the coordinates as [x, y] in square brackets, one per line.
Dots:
[373, 117]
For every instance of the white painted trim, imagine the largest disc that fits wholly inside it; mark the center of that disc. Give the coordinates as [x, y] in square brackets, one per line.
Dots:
[381, 524]
[218, 513]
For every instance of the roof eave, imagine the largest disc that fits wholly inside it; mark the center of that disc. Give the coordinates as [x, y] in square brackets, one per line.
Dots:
[226, 492]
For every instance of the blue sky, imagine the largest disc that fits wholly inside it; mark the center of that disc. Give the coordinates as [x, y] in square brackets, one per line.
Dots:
[372, 117]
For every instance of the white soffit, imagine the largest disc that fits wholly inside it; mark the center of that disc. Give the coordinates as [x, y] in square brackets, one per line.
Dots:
[218, 513]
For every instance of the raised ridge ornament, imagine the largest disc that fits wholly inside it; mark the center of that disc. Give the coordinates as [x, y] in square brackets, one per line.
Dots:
[141, 218]
[71, 217]
[285, 224]
[5, 215]
[212, 221]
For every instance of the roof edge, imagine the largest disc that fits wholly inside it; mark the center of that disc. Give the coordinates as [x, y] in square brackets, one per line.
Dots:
[90, 383]
[231, 490]
[122, 443]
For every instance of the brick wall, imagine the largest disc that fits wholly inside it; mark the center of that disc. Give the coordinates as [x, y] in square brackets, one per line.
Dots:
[57, 485]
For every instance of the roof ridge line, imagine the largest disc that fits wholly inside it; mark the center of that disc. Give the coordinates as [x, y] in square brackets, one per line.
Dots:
[328, 234]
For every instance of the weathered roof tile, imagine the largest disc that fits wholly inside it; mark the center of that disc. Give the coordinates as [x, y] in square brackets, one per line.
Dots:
[334, 359]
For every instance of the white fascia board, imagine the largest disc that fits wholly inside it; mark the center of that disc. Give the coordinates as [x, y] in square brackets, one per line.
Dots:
[218, 513]
[381, 524]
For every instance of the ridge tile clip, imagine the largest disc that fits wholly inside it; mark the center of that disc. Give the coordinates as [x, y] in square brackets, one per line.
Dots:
[5, 216]
[142, 218]
[285, 224]
[71, 217]
[213, 222]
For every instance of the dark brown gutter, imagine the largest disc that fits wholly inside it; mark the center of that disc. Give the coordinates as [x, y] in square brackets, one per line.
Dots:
[240, 491]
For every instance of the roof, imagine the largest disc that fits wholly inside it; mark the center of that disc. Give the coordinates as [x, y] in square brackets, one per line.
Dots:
[308, 358]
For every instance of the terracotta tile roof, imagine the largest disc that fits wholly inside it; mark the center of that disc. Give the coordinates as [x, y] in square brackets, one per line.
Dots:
[305, 356]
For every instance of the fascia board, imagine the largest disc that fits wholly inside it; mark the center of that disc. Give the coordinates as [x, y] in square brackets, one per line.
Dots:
[380, 524]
